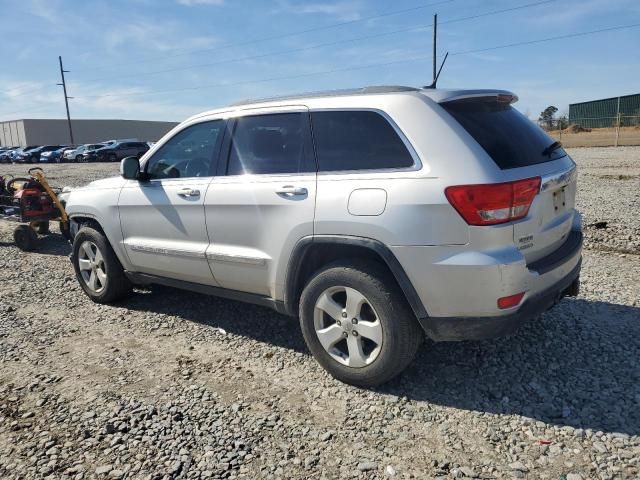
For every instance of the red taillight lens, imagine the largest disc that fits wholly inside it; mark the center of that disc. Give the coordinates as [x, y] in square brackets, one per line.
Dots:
[490, 204]
[510, 301]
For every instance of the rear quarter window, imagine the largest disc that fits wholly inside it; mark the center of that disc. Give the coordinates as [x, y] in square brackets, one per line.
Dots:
[509, 137]
[357, 140]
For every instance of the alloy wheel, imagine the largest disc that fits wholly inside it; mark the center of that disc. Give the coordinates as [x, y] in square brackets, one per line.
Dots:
[347, 326]
[92, 268]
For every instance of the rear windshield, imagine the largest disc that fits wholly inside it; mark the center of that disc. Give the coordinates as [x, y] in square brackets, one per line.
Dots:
[509, 137]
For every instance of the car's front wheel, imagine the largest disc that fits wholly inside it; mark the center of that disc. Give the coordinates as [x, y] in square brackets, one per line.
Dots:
[97, 268]
[357, 324]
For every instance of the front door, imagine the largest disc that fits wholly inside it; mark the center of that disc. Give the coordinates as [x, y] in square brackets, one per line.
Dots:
[263, 200]
[162, 217]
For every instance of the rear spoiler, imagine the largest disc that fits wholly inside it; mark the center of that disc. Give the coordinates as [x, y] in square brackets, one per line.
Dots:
[501, 97]
[444, 96]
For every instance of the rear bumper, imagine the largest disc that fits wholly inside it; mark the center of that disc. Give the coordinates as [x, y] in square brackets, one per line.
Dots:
[459, 288]
[481, 328]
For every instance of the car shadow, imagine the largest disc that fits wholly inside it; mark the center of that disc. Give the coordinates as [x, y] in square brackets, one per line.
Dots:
[259, 323]
[577, 365]
[51, 244]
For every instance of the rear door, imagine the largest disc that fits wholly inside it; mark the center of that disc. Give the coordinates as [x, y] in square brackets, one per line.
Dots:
[263, 200]
[521, 149]
[162, 219]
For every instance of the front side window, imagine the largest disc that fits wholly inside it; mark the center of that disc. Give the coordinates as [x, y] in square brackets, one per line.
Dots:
[357, 140]
[270, 144]
[189, 153]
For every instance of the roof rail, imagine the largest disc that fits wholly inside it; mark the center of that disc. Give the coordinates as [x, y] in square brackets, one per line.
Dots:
[332, 93]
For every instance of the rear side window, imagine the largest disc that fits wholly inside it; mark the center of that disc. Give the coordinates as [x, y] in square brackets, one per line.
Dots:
[357, 140]
[270, 144]
[509, 137]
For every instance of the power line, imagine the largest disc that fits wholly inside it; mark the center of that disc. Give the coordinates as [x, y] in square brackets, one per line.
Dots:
[283, 35]
[258, 40]
[321, 45]
[362, 67]
[548, 39]
[372, 65]
[325, 44]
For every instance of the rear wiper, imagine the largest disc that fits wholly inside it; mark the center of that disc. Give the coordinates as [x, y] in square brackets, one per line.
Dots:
[551, 148]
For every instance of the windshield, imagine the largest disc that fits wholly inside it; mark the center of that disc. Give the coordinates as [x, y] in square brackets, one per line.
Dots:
[509, 137]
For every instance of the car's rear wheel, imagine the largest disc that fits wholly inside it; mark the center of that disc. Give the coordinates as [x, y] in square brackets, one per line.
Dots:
[357, 324]
[97, 268]
[112, 157]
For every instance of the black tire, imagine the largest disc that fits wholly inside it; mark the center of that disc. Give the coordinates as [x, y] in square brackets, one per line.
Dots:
[78, 158]
[112, 157]
[42, 228]
[401, 334]
[117, 285]
[25, 238]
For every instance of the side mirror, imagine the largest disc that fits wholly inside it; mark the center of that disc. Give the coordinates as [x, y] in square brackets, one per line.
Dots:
[130, 168]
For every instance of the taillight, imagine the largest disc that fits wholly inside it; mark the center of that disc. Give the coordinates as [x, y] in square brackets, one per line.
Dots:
[490, 204]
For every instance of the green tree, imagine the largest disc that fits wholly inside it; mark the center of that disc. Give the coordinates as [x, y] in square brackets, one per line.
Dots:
[546, 117]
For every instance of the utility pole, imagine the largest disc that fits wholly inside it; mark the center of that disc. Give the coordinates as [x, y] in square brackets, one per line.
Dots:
[66, 98]
[435, 40]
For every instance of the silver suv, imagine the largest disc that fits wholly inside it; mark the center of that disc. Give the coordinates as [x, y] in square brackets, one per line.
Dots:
[377, 216]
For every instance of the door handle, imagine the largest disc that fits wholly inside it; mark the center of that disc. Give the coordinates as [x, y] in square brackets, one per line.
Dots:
[290, 190]
[189, 192]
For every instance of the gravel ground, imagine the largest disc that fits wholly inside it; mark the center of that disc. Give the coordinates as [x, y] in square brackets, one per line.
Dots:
[172, 384]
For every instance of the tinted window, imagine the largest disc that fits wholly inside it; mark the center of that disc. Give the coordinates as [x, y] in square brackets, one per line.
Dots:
[357, 141]
[509, 137]
[276, 143]
[187, 154]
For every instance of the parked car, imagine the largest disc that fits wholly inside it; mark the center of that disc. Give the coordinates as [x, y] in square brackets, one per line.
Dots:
[405, 212]
[6, 153]
[20, 153]
[118, 140]
[75, 155]
[33, 155]
[115, 152]
[53, 156]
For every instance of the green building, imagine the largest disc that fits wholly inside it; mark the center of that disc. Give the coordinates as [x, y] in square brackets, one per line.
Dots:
[603, 113]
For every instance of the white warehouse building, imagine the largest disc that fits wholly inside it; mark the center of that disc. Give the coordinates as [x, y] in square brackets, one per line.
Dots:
[29, 131]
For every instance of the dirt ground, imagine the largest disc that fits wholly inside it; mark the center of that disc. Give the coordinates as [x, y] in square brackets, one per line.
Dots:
[172, 384]
[598, 137]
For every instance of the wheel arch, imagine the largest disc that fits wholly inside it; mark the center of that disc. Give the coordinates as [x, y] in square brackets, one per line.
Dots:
[311, 253]
[80, 220]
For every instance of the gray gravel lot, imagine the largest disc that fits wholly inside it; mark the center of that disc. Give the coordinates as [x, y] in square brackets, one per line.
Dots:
[172, 384]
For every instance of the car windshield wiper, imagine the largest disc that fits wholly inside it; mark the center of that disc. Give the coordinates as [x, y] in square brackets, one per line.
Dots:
[551, 148]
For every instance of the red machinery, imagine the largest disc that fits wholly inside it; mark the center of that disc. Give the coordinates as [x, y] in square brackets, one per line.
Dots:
[32, 202]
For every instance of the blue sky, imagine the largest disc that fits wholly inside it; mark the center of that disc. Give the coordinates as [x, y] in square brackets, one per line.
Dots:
[219, 51]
